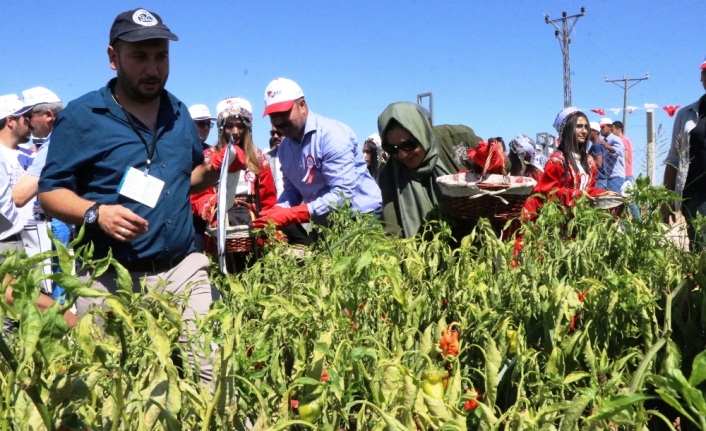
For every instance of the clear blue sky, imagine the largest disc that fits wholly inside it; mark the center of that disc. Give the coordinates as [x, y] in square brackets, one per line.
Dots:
[495, 66]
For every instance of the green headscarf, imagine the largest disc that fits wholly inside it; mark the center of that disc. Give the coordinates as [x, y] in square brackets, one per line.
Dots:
[410, 194]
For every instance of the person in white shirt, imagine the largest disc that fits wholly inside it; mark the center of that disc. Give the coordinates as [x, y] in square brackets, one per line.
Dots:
[15, 129]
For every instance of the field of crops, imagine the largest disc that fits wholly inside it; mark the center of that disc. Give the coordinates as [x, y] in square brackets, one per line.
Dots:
[598, 324]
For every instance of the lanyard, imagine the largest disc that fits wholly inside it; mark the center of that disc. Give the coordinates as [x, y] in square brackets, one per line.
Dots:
[150, 148]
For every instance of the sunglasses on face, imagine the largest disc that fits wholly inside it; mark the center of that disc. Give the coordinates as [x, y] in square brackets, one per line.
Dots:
[202, 124]
[407, 146]
[274, 133]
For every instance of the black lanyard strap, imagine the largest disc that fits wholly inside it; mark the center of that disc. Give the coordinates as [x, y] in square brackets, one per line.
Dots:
[150, 148]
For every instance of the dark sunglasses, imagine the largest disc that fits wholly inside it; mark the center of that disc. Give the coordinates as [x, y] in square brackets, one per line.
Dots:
[28, 117]
[407, 146]
[205, 123]
[274, 133]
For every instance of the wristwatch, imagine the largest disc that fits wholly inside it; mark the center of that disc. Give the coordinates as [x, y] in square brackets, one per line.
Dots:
[91, 215]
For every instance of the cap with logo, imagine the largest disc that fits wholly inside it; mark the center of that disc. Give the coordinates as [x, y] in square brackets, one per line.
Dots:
[703, 65]
[37, 95]
[11, 105]
[280, 95]
[605, 121]
[234, 107]
[139, 24]
[200, 112]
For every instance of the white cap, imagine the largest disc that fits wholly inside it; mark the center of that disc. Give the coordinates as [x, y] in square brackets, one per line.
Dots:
[595, 126]
[280, 95]
[11, 105]
[234, 107]
[375, 139]
[200, 112]
[605, 120]
[562, 116]
[35, 96]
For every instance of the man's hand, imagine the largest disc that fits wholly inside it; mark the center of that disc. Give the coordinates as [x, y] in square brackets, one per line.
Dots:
[281, 216]
[237, 164]
[120, 223]
[668, 214]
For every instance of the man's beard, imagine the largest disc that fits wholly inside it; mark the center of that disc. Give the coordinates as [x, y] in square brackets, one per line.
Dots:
[132, 88]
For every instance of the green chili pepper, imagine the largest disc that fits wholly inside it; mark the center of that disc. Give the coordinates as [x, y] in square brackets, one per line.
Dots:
[433, 383]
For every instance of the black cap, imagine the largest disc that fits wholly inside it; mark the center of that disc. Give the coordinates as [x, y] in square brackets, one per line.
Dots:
[139, 24]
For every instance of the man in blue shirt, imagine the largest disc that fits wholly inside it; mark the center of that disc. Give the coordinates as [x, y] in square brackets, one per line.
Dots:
[614, 159]
[124, 160]
[597, 151]
[320, 162]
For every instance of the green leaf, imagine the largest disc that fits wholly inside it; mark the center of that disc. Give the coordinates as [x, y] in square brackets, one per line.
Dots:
[698, 370]
[616, 403]
[575, 376]
[359, 352]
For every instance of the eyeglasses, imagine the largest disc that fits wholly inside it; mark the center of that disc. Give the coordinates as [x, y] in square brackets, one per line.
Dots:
[203, 124]
[407, 146]
[28, 117]
[274, 133]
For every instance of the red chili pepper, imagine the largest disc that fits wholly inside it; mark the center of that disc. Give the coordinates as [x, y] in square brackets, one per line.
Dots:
[362, 306]
[348, 313]
[324, 376]
[472, 403]
[294, 403]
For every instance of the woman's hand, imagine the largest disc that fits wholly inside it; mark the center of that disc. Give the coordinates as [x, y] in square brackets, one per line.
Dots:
[590, 198]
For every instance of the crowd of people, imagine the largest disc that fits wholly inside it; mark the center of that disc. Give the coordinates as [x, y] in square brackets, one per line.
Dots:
[132, 163]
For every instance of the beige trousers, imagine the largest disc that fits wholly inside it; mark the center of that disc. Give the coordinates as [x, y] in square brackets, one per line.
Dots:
[191, 275]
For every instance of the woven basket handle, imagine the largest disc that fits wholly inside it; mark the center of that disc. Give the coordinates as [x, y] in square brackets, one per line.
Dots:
[495, 146]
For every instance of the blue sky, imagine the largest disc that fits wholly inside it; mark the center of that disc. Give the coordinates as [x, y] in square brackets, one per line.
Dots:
[494, 66]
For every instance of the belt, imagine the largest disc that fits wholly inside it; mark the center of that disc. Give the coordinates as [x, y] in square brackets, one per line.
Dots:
[12, 238]
[153, 266]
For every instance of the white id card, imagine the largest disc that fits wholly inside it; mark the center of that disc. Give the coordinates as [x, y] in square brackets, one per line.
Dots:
[141, 187]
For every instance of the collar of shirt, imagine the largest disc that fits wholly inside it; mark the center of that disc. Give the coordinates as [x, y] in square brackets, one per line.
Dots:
[168, 107]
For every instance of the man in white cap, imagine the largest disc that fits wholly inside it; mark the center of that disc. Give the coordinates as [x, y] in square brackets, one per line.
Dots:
[42, 106]
[614, 158]
[14, 129]
[685, 166]
[322, 163]
[203, 122]
[597, 151]
[124, 160]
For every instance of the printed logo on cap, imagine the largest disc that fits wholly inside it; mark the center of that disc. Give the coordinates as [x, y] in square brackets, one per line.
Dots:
[273, 93]
[143, 17]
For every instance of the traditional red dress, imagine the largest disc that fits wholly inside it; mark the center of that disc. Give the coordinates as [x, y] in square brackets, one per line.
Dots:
[255, 191]
[561, 181]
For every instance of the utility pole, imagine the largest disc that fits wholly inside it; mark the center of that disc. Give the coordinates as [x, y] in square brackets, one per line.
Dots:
[625, 85]
[651, 144]
[420, 102]
[567, 26]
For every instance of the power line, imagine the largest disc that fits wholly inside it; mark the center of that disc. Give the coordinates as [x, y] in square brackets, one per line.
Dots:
[562, 34]
[625, 85]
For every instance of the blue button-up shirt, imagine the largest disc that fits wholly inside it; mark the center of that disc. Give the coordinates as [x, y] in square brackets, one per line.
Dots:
[92, 146]
[614, 163]
[598, 150]
[325, 164]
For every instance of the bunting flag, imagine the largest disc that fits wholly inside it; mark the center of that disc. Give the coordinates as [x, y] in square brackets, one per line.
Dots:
[631, 108]
[671, 109]
[598, 111]
[615, 110]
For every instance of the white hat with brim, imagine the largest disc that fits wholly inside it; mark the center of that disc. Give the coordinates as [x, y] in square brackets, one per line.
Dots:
[595, 126]
[605, 121]
[11, 105]
[280, 95]
[200, 112]
[38, 95]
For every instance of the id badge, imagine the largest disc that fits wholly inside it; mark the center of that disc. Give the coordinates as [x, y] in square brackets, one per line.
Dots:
[141, 187]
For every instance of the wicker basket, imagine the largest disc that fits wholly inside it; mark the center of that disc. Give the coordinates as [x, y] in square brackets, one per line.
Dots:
[612, 204]
[498, 198]
[238, 240]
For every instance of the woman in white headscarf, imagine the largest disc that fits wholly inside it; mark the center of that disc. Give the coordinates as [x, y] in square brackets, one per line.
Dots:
[373, 153]
[523, 159]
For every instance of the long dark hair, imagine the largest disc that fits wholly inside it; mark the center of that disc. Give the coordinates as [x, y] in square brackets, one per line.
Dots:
[374, 152]
[569, 144]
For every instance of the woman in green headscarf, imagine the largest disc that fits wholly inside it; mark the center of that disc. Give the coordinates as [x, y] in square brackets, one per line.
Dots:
[419, 154]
